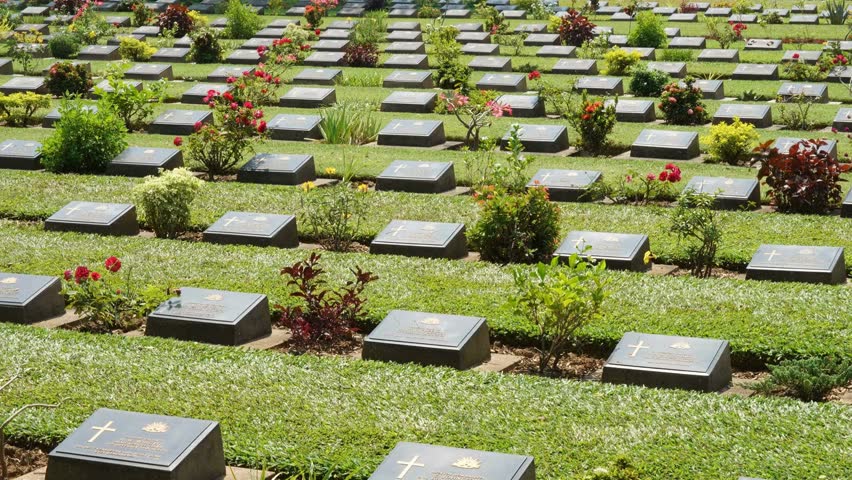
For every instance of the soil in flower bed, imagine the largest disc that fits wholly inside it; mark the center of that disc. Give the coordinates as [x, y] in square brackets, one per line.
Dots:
[21, 461]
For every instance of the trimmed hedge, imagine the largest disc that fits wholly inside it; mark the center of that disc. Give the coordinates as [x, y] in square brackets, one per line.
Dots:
[763, 321]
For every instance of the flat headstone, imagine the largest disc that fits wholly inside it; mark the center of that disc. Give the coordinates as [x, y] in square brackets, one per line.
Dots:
[458, 13]
[781, 12]
[92, 217]
[683, 17]
[107, 53]
[179, 122]
[783, 144]
[406, 26]
[295, 11]
[278, 169]
[421, 239]
[429, 339]
[116, 40]
[673, 69]
[414, 461]
[719, 55]
[405, 36]
[710, 89]
[491, 64]
[408, 79]
[537, 39]
[196, 94]
[23, 85]
[417, 177]
[846, 207]
[480, 49]
[42, 28]
[557, 51]
[664, 11]
[743, 18]
[118, 444]
[600, 30]
[326, 59]
[406, 47]
[814, 92]
[294, 127]
[728, 193]
[259, 229]
[672, 32]
[621, 17]
[503, 82]
[806, 8]
[664, 361]
[718, 12]
[410, 102]
[842, 121]
[221, 74]
[107, 88]
[758, 115]
[416, 61]
[617, 40]
[149, 71]
[635, 111]
[144, 161]
[342, 25]
[804, 19]
[531, 28]
[644, 53]
[796, 263]
[351, 11]
[565, 185]
[336, 34]
[540, 138]
[755, 71]
[763, 44]
[271, 32]
[621, 251]
[306, 97]
[687, 42]
[573, 66]
[600, 85]
[811, 57]
[147, 31]
[524, 106]
[473, 37]
[318, 76]
[841, 74]
[254, 43]
[212, 316]
[402, 13]
[20, 155]
[6, 67]
[608, 10]
[412, 133]
[29, 298]
[34, 11]
[667, 144]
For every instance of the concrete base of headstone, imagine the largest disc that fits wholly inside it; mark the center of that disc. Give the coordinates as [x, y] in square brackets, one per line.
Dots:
[46, 302]
[278, 338]
[66, 319]
[125, 224]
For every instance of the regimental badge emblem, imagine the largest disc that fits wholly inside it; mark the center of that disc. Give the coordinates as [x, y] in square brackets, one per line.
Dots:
[259, 219]
[9, 281]
[806, 251]
[430, 321]
[682, 345]
[214, 298]
[156, 427]
[468, 463]
[101, 208]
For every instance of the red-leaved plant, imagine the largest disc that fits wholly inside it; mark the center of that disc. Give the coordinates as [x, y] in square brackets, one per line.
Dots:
[575, 29]
[806, 179]
[327, 316]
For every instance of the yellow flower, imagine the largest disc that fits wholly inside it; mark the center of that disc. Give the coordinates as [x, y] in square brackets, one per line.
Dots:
[363, 188]
[330, 171]
[648, 257]
[91, 34]
[308, 186]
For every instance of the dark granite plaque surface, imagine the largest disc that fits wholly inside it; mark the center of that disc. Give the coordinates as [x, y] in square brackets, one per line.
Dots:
[600, 85]
[306, 97]
[294, 127]
[416, 61]
[565, 185]
[796, 263]
[621, 251]
[421, 239]
[29, 298]
[429, 339]
[719, 55]
[107, 53]
[417, 177]
[576, 66]
[729, 193]
[279, 169]
[846, 207]
[664, 361]
[558, 51]
[503, 82]
[637, 111]
[415, 461]
[20, 155]
[783, 145]
[523, 106]
[318, 76]
[149, 71]
[410, 102]
[196, 94]
[667, 144]
[493, 64]
[843, 120]
[412, 133]
[673, 69]
[688, 42]
[179, 122]
[753, 71]
[408, 79]
[221, 74]
[325, 59]
[212, 316]
[91, 217]
[758, 115]
[143, 161]
[814, 92]
[24, 84]
[249, 228]
[541, 138]
[113, 444]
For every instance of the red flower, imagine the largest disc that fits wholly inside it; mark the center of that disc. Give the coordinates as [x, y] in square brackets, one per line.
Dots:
[230, 80]
[286, 40]
[261, 50]
[261, 127]
[534, 75]
[68, 275]
[96, 276]
[317, 31]
[178, 141]
[795, 56]
[81, 274]
[113, 264]
[248, 104]
[650, 177]
[664, 175]
[586, 116]
[227, 96]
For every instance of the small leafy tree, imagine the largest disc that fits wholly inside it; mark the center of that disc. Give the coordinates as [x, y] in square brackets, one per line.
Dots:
[134, 106]
[695, 221]
[575, 29]
[84, 141]
[559, 300]
[649, 31]
[334, 215]
[474, 113]
[594, 121]
[165, 201]
[243, 22]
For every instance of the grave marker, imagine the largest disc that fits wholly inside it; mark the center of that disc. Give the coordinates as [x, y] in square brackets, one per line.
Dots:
[795, 263]
[179, 122]
[565, 185]
[667, 144]
[758, 115]
[259, 229]
[305, 97]
[412, 133]
[20, 155]
[149, 71]
[294, 127]
[621, 251]
[29, 298]
[414, 461]
[418, 61]
[107, 53]
[417, 177]
[498, 64]
[728, 193]
[93, 217]
[751, 71]
[729, 55]
[636, 111]
[503, 82]
[421, 239]
[144, 161]
[278, 169]
[410, 102]
[318, 76]
[540, 138]
[523, 106]
[572, 66]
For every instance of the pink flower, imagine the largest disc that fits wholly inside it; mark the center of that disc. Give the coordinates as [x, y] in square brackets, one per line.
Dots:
[651, 177]
[197, 126]
[68, 274]
[248, 104]
[628, 179]
[690, 112]
[672, 100]
[229, 80]
[461, 100]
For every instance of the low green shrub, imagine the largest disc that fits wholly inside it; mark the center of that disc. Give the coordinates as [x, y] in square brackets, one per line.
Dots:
[64, 45]
[695, 221]
[593, 120]
[731, 143]
[133, 106]
[84, 141]
[809, 379]
[65, 78]
[647, 82]
[135, 50]
[243, 22]
[619, 62]
[19, 109]
[333, 215]
[165, 200]
[206, 47]
[649, 31]
[349, 123]
[682, 105]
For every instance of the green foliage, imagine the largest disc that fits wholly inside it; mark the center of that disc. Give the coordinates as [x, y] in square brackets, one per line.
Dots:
[487, 166]
[65, 78]
[731, 142]
[18, 109]
[133, 106]
[637, 188]
[647, 82]
[649, 31]
[451, 74]
[142, 14]
[64, 45]
[720, 31]
[795, 111]
[837, 11]
[135, 50]
[536, 9]
[84, 141]
[371, 28]
[495, 22]
[351, 123]
[243, 22]
[621, 469]
[205, 46]
[682, 104]
[515, 228]
[25, 46]
[594, 121]
[559, 300]
[675, 55]
[809, 379]
[165, 201]
[695, 221]
[594, 49]
[334, 214]
[620, 62]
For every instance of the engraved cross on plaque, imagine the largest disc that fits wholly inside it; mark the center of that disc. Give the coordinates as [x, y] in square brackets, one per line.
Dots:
[408, 466]
[8, 145]
[397, 230]
[545, 177]
[702, 184]
[72, 210]
[101, 430]
[772, 254]
[399, 167]
[231, 220]
[168, 116]
[578, 242]
[637, 347]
